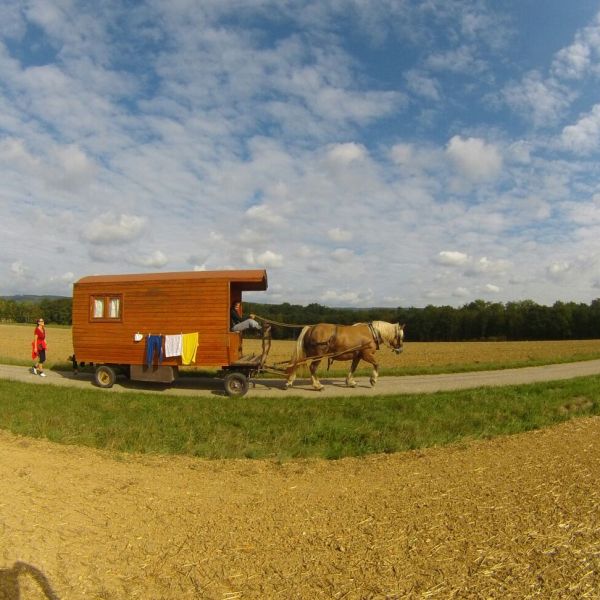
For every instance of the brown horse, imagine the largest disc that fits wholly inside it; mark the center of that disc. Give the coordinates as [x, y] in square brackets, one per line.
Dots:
[344, 342]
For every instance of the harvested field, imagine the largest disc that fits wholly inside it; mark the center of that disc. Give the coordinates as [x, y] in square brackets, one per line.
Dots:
[15, 345]
[515, 517]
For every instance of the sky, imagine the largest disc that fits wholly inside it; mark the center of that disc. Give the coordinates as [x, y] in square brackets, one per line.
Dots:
[365, 153]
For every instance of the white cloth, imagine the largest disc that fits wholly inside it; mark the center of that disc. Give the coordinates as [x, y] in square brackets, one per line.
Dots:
[173, 345]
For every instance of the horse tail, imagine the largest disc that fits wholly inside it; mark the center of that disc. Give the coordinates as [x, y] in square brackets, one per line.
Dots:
[299, 353]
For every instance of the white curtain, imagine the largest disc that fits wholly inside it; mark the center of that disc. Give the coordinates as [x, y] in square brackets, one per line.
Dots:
[113, 308]
[98, 308]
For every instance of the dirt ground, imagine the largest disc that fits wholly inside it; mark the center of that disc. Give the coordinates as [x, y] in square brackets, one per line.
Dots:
[516, 517]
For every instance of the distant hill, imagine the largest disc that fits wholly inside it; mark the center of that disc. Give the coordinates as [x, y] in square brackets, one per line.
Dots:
[32, 298]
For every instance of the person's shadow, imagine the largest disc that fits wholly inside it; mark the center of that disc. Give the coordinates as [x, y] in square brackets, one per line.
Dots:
[9, 581]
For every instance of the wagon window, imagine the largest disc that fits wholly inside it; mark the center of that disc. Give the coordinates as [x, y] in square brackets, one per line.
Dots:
[114, 308]
[106, 308]
[98, 308]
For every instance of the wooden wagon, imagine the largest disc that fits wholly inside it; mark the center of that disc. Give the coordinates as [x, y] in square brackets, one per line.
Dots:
[116, 316]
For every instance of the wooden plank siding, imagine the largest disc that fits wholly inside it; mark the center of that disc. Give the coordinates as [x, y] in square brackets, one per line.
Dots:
[161, 304]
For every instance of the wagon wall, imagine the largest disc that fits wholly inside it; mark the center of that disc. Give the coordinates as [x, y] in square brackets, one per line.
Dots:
[155, 307]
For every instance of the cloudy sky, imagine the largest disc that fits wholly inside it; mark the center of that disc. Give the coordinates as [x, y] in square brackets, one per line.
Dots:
[366, 153]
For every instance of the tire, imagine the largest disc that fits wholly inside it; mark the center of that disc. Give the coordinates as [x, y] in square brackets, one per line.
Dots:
[235, 384]
[105, 376]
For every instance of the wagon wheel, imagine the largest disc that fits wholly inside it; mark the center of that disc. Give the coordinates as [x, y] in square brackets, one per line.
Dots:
[236, 384]
[105, 376]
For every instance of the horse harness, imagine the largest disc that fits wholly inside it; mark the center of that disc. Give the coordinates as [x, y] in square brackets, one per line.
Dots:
[375, 334]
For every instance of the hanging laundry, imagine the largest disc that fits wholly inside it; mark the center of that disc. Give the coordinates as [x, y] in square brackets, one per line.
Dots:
[173, 345]
[154, 345]
[190, 345]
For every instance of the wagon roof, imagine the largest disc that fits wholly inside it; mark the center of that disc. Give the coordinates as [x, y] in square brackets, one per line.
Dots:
[250, 279]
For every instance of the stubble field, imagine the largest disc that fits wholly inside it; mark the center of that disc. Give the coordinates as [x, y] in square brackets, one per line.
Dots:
[418, 357]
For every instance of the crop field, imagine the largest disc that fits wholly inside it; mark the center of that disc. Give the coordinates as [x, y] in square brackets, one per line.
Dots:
[418, 357]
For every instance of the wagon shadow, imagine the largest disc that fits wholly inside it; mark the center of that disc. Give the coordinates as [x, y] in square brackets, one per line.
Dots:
[304, 385]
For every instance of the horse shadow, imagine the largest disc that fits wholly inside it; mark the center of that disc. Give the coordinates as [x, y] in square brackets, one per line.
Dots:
[10, 587]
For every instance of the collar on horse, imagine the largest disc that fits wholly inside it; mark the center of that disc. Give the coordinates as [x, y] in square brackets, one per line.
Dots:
[375, 335]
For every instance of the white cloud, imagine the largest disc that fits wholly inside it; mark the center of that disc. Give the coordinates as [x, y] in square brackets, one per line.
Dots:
[520, 152]
[155, 260]
[342, 255]
[265, 213]
[584, 213]
[402, 154]
[347, 298]
[270, 259]
[68, 278]
[423, 85]
[451, 258]
[14, 151]
[337, 234]
[541, 101]
[490, 287]
[461, 292]
[120, 229]
[74, 170]
[486, 265]
[346, 153]
[574, 61]
[584, 136]
[18, 269]
[477, 160]
[459, 60]
[558, 270]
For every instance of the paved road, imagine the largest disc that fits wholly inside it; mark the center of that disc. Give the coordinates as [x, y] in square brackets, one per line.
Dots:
[197, 386]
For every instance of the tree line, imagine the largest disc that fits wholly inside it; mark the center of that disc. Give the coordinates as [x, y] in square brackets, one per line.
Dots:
[478, 320]
[57, 311]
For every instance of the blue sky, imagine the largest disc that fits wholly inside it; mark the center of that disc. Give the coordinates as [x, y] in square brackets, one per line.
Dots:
[389, 153]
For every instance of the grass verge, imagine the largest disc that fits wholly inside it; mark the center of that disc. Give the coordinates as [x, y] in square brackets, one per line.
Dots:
[290, 427]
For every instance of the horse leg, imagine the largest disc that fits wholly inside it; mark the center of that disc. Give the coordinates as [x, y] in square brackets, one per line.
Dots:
[291, 373]
[350, 378]
[314, 365]
[374, 375]
[370, 358]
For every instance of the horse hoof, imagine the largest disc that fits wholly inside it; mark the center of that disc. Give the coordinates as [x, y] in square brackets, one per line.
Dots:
[373, 382]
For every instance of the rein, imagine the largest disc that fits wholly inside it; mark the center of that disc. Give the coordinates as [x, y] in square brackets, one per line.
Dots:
[290, 326]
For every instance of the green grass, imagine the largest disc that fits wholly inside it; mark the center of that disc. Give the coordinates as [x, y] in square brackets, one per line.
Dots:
[289, 427]
[471, 367]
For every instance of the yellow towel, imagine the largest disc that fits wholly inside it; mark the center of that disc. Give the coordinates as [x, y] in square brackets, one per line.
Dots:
[190, 345]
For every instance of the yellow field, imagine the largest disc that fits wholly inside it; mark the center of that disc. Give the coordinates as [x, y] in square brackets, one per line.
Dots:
[15, 347]
[15, 343]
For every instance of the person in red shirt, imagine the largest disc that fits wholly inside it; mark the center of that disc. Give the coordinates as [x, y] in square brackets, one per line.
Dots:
[39, 348]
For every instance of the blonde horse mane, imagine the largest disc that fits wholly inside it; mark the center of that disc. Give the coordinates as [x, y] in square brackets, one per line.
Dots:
[387, 331]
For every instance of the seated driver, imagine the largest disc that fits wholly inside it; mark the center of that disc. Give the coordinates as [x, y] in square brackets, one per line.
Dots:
[238, 322]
